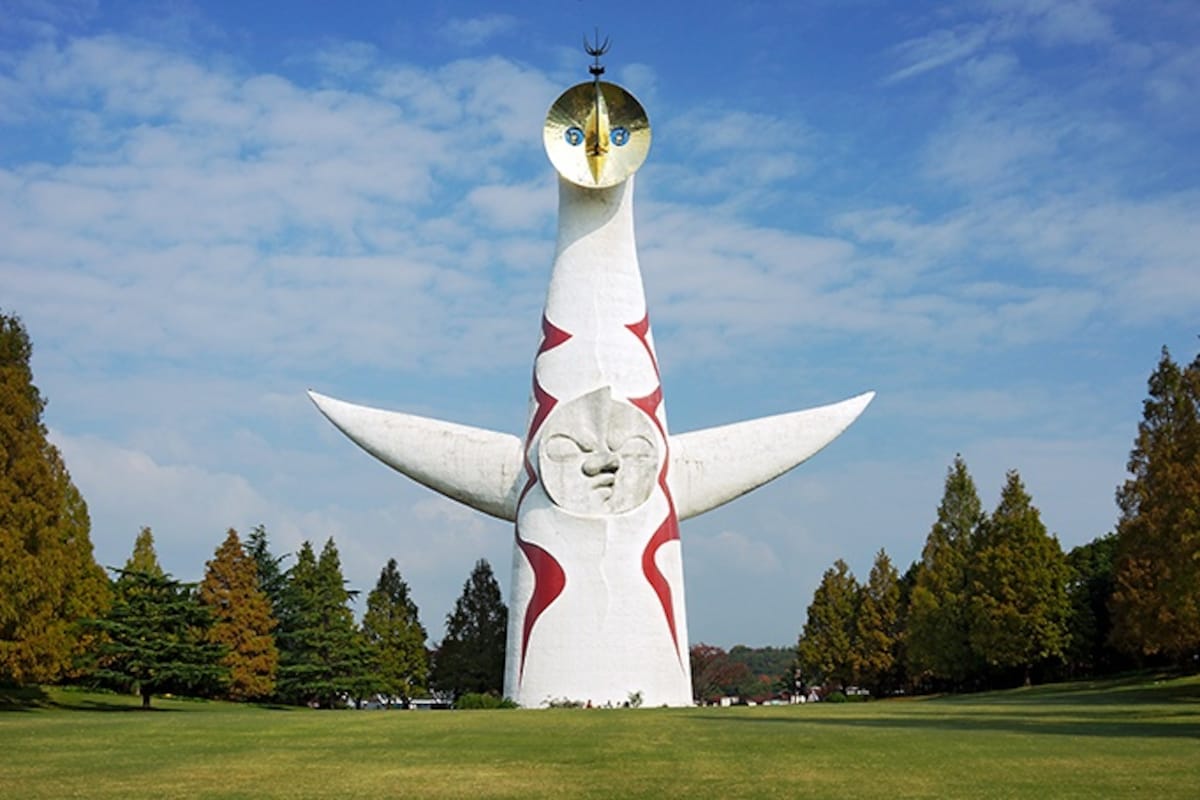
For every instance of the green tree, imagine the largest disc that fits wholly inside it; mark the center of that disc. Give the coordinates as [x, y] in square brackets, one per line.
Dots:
[395, 638]
[144, 557]
[1156, 599]
[242, 620]
[471, 655]
[1017, 607]
[272, 578]
[321, 658]
[49, 579]
[826, 650]
[938, 644]
[155, 634]
[877, 627]
[1089, 590]
[773, 666]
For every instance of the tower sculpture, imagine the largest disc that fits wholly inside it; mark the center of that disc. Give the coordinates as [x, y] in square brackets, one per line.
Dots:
[596, 486]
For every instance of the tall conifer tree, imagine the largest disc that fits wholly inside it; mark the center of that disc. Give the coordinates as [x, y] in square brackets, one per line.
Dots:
[321, 656]
[826, 649]
[144, 557]
[242, 621]
[395, 638]
[878, 627]
[1089, 590]
[1156, 602]
[471, 655]
[1017, 605]
[272, 578]
[938, 645]
[156, 633]
[49, 579]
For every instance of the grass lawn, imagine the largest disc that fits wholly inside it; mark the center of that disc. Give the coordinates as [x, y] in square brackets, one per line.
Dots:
[1103, 740]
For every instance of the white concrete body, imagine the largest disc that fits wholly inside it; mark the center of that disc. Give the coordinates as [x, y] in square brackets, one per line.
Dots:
[597, 607]
[597, 486]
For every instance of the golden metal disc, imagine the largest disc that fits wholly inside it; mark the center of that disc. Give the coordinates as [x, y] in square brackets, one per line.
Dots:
[596, 140]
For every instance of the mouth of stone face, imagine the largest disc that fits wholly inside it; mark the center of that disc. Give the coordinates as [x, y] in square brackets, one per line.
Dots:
[604, 484]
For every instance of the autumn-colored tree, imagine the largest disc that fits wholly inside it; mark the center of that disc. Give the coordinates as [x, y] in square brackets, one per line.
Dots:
[714, 673]
[938, 644]
[877, 627]
[1156, 600]
[395, 638]
[49, 580]
[1017, 605]
[242, 621]
[769, 670]
[471, 655]
[826, 650]
[321, 656]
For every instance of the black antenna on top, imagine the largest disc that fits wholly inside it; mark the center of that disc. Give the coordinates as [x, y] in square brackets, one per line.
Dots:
[595, 50]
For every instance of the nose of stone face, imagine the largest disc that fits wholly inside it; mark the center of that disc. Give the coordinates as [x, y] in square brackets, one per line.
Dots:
[603, 461]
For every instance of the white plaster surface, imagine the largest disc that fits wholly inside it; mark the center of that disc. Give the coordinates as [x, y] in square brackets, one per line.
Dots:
[596, 609]
[597, 456]
[710, 467]
[609, 632]
[477, 467]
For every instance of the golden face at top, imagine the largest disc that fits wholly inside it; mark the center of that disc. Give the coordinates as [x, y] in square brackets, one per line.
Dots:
[596, 134]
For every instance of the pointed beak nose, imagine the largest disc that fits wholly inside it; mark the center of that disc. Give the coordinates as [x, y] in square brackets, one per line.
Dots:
[597, 136]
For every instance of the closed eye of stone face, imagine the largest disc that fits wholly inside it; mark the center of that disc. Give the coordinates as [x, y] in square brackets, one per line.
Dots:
[638, 447]
[563, 448]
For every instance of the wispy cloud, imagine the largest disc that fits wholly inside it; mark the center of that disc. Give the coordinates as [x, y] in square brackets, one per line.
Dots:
[937, 49]
[475, 31]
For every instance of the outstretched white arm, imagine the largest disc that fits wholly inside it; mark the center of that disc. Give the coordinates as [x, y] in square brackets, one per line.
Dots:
[710, 467]
[477, 467]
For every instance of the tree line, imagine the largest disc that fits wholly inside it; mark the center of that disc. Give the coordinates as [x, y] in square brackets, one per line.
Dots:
[994, 600]
[250, 630]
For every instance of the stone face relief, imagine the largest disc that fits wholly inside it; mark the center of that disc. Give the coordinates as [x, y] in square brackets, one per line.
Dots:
[598, 456]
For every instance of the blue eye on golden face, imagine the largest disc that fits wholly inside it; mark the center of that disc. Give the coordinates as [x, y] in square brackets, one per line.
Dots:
[619, 135]
[574, 136]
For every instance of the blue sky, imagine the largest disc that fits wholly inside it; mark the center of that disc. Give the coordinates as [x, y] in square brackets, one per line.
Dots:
[987, 212]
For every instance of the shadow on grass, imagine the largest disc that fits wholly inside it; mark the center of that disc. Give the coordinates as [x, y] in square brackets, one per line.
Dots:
[35, 698]
[1131, 691]
[23, 698]
[1123, 708]
[112, 706]
[1031, 725]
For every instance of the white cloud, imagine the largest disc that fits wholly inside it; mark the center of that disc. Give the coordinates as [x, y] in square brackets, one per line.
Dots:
[937, 49]
[1054, 22]
[731, 551]
[475, 31]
